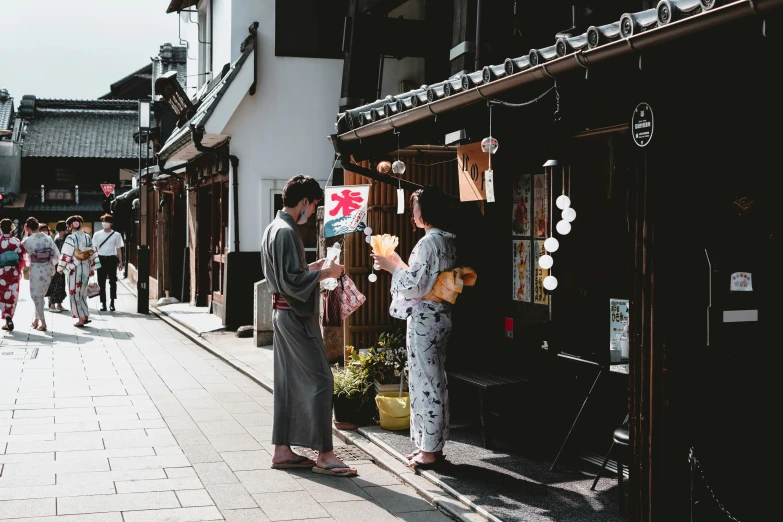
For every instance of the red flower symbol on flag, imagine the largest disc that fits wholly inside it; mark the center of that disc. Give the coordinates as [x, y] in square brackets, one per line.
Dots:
[347, 203]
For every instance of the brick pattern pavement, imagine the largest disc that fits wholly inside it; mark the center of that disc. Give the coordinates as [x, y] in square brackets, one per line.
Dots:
[130, 421]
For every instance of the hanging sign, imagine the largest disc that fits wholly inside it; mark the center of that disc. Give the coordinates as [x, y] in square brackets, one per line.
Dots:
[618, 330]
[472, 164]
[741, 282]
[400, 201]
[642, 124]
[345, 209]
[107, 188]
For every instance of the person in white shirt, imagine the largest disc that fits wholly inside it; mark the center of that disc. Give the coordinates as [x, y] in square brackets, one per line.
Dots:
[109, 244]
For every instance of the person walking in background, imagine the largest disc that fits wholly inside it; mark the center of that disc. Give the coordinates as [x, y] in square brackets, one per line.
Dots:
[42, 256]
[303, 380]
[109, 244]
[11, 263]
[429, 323]
[43, 228]
[79, 259]
[56, 292]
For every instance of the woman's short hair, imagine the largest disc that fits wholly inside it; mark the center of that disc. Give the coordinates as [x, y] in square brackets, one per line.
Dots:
[32, 223]
[74, 219]
[61, 226]
[300, 187]
[434, 207]
[107, 218]
[44, 228]
[6, 225]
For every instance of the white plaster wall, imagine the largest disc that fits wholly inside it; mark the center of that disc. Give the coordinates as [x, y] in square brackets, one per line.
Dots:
[222, 46]
[281, 131]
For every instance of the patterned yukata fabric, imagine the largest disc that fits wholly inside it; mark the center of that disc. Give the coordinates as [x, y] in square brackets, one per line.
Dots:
[78, 271]
[41, 272]
[56, 292]
[10, 275]
[429, 327]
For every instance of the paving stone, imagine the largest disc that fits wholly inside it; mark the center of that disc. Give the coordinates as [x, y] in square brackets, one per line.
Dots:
[97, 517]
[199, 453]
[247, 460]
[231, 496]
[371, 475]
[297, 505]
[31, 467]
[111, 476]
[245, 515]
[242, 442]
[359, 511]
[398, 499]
[191, 514]
[333, 489]
[28, 508]
[132, 424]
[215, 473]
[195, 498]
[56, 491]
[268, 481]
[55, 428]
[180, 472]
[180, 423]
[169, 450]
[231, 427]
[209, 414]
[110, 453]
[426, 516]
[39, 479]
[164, 461]
[260, 418]
[141, 486]
[190, 437]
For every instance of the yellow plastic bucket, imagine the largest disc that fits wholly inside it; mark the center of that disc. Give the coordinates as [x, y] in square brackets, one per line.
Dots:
[395, 410]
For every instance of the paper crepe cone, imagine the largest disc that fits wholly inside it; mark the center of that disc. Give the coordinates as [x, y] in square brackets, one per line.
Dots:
[384, 245]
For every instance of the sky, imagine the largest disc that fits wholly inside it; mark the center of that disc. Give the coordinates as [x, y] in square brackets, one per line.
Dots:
[76, 49]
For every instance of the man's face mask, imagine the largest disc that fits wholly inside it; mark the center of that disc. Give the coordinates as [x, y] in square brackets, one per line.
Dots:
[105, 225]
[303, 215]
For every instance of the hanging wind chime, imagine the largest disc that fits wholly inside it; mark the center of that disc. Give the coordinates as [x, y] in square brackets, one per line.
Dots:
[490, 146]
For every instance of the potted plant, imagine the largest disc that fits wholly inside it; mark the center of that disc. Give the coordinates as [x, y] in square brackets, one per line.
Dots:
[385, 362]
[350, 400]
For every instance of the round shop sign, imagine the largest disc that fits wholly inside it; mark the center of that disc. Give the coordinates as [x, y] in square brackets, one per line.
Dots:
[642, 124]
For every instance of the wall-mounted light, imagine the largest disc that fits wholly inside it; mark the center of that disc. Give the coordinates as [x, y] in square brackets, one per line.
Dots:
[144, 116]
[169, 87]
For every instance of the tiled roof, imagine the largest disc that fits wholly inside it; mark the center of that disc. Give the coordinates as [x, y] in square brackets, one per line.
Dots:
[569, 51]
[136, 82]
[6, 109]
[87, 203]
[214, 92]
[82, 129]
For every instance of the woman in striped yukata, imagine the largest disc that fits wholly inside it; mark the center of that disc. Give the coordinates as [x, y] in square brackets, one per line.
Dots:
[80, 260]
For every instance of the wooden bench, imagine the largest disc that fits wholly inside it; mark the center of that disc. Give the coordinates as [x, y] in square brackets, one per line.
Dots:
[485, 382]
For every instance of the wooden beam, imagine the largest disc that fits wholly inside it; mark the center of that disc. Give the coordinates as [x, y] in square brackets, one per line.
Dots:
[379, 7]
[414, 43]
[463, 30]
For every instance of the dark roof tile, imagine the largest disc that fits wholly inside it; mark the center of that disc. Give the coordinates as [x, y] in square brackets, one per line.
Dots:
[82, 129]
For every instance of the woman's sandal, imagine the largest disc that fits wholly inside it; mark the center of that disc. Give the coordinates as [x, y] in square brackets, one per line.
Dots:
[417, 464]
[438, 455]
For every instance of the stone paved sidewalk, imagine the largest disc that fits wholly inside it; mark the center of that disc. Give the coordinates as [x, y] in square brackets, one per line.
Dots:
[128, 420]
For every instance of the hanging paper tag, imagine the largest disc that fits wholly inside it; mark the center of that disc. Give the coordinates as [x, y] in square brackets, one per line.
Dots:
[741, 282]
[400, 201]
[490, 185]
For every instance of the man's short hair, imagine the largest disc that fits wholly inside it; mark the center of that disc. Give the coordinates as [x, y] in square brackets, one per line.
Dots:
[300, 187]
[107, 218]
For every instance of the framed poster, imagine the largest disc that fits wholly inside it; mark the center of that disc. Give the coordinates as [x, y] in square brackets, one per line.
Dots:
[345, 209]
[619, 339]
[539, 295]
[521, 257]
[540, 205]
[520, 213]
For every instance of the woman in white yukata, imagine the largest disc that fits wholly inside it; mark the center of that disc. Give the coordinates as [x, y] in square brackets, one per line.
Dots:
[429, 323]
[42, 257]
[80, 260]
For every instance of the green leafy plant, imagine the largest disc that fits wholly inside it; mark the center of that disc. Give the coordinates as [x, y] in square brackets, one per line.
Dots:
[350, 382]
[386, 360]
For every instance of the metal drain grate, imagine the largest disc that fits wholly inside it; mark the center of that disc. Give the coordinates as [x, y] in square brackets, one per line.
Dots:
[345, 453]
[18, 353]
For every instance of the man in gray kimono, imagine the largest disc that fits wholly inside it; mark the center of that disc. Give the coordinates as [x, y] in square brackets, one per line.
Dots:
[303, 380]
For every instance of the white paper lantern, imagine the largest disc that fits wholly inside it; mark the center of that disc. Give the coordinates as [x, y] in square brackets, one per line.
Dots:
[376, 266]
[546, 262]
[368, 239]
[563, 202]
[550, 282]
[367, 231]
[569, 214]
[563, 227]
[551, 244]
[372, 278]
